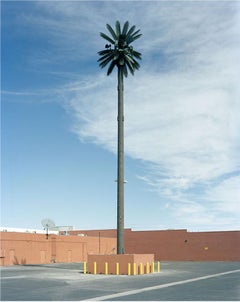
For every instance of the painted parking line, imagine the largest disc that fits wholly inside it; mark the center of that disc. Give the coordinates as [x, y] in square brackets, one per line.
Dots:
[13, 277]
[137, 291]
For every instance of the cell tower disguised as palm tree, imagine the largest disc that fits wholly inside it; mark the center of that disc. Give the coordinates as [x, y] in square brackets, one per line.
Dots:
[121, 54]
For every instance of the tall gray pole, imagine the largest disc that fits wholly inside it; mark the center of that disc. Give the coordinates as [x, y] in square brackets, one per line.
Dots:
[120, 179]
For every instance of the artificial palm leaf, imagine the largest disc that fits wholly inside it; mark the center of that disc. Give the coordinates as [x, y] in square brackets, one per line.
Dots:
[111, 31]
[110, 67]
[107, 38]
[125, 28]
[105, 62]
[119, 52]
[131, 30]
[133, 38]
[118, 28]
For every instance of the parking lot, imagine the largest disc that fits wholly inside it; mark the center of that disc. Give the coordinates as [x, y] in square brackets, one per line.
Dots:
[177, 281]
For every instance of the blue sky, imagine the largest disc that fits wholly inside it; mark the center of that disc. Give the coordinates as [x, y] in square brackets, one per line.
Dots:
[182, 115]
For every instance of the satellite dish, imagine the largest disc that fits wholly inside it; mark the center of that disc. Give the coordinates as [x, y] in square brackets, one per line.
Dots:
[47, 224]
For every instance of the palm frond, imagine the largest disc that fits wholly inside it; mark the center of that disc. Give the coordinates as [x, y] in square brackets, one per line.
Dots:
[130, 67]
[133, 38]
[110, 69]
[120, 53]
[118, 28]
[125, 28]
[107, 38]
[137, 54]
[105, 56]
[105, 62]
[137, 37]
[112, 32]
[131, 30]
[129, 58]
[136, 32]
[104, 52]
[136, 64]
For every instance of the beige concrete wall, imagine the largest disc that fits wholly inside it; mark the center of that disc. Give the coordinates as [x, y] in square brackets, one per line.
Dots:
[123, 261]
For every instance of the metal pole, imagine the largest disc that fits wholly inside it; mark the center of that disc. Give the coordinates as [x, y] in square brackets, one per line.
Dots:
[120, 179]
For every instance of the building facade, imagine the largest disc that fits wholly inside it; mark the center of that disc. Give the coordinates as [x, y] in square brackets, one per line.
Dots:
[28, 248]
[170, 245]
[178, 245]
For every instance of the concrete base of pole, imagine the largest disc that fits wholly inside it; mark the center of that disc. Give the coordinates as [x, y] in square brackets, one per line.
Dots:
[126, 264]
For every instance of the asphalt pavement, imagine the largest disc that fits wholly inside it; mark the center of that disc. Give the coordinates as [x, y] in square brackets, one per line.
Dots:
[177, 281]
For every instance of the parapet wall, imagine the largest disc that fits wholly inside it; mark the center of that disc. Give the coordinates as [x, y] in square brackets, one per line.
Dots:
[169, 245]
[23, 248]
[179, 245]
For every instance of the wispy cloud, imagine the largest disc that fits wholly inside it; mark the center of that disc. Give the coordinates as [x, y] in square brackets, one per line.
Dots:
[182, 109]
[183, 120]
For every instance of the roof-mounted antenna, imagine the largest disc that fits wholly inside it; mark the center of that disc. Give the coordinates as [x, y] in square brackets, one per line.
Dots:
[47, 224]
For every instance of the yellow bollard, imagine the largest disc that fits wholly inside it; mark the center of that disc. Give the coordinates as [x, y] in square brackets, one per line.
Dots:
[84, 267]
[147, 268]
[153, 270]
[141, 268]
[129, 269]
[94, 268]
[158, 267]
[134, 269]
[106, 268]
[117, 268]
